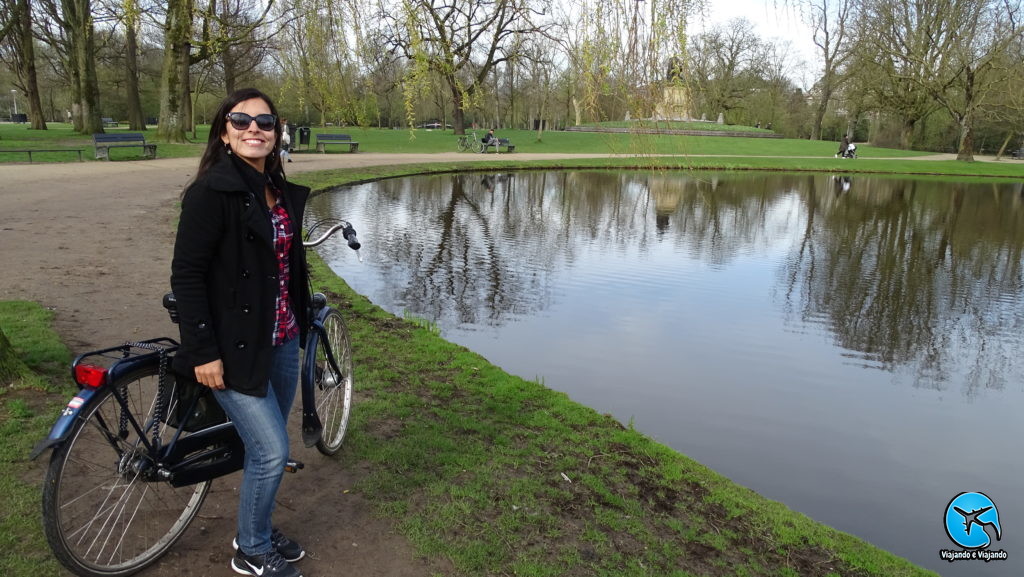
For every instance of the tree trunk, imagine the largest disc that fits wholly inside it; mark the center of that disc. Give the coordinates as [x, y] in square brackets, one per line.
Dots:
[175, 106]
[966, 148]
[11, 367]
[78, 14]
[230, 69]
[136, 119]
[28, 66]
[819, 113]
[965, 151]
[459, 112]
[907, 133]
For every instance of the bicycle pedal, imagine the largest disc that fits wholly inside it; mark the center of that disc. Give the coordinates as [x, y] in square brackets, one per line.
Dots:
[293, 466]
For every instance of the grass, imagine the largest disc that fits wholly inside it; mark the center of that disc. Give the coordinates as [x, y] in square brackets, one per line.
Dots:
[635, 151]
[27, 410]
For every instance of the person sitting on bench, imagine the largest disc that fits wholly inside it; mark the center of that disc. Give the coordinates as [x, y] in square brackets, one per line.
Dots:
[489, 139]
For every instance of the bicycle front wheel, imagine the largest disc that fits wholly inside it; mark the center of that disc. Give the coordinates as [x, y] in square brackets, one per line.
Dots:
[106, 512]
[333, 382]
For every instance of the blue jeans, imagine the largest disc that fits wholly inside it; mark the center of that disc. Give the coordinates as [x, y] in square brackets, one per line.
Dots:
[261, 422]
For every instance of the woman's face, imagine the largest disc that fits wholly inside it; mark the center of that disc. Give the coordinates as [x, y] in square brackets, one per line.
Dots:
[251, 144]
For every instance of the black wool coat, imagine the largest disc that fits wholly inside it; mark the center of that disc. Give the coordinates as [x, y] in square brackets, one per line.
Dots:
[224, 274]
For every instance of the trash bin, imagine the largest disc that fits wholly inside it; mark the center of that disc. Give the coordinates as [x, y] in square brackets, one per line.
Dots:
[303, 136]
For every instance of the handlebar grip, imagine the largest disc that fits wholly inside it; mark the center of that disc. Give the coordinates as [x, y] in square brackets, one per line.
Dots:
[350, 235]
[171, 304]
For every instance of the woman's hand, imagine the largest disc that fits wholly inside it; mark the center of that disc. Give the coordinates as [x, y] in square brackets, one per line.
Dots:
[211, 374]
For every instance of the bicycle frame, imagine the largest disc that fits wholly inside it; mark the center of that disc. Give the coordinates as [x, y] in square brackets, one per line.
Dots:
[205, 454]
[209, 452]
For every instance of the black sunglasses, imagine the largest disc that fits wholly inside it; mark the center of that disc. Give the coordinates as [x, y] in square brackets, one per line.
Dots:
[241, 120]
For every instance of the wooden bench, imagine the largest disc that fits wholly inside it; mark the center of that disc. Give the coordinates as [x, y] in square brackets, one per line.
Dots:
[30, 151]
[502, 142]
[109, 122]
[322, 140]
[104, 142]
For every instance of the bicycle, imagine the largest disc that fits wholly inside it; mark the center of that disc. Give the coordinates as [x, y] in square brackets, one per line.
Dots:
[468, 141]
[135, 451]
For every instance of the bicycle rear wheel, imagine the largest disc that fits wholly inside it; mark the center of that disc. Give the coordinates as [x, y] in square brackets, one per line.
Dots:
[106, 512]
[463, 144]
[333, 386]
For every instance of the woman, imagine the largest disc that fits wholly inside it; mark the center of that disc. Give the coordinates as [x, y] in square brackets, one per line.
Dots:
[239, 276]
[843, 147]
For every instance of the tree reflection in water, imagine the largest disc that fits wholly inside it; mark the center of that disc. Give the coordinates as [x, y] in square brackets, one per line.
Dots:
[909, 276]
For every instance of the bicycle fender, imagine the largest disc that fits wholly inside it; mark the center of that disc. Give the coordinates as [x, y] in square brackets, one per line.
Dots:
[60, 430]
[312, 428]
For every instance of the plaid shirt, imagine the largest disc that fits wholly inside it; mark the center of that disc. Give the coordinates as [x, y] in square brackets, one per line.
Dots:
[286, 326]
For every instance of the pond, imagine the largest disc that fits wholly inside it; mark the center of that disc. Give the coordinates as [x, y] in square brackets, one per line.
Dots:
[847, 346]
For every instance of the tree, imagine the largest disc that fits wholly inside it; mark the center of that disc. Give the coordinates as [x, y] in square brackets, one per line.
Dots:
[722, 63]
[897, 53]
[462, 41]
[939, 54]
[17, 48]
[832, 23]
[179, 41]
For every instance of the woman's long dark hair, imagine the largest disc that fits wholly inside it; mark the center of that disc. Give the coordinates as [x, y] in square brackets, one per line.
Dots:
[215, 147]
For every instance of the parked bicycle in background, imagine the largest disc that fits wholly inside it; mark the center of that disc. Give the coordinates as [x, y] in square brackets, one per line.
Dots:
[469, 142]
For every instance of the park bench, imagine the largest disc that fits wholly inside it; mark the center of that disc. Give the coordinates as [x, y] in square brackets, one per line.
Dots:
[30, 151]
[1018, 154]
[104, 142]
[502, 142]
[109, 122]
[322, 140]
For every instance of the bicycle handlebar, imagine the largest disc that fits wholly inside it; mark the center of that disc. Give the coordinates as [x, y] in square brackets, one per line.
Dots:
[346, 231]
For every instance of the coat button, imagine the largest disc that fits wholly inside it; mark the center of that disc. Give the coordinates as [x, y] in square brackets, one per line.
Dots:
[202, 324]
[246, 309]
[240, 345]
[245, 274]
[272, 276]
[250, 236]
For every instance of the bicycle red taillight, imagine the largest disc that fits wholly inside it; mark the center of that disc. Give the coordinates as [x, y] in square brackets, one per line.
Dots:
[90, 376]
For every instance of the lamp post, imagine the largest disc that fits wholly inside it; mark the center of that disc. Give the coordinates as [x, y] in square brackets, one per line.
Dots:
[15, 99]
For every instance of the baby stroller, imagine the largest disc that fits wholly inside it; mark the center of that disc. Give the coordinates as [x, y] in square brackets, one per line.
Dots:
[850, 152]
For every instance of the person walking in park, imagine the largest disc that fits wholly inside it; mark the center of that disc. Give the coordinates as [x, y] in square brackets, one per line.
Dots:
[286, 140]
[843, 147]
[239, 276]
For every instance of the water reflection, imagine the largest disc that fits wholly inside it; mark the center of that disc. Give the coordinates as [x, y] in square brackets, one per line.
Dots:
[906, 275]
[758, 320]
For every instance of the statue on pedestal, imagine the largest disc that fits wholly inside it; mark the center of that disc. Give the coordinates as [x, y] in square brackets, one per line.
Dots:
[675, 98]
